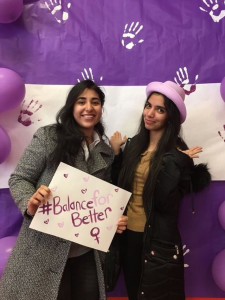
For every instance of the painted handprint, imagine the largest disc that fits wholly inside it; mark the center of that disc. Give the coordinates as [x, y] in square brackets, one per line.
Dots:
[222, 134]
[58, 10]
[130, 35]
[182, 79]
[185, 252]
[215, 10]
[88, 74]
[26, 116]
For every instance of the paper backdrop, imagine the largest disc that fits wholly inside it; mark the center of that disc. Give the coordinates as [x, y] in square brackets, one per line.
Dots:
[123, 45]
[122, 111]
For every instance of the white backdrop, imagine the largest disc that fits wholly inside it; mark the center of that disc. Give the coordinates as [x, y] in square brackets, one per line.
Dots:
[122, 111]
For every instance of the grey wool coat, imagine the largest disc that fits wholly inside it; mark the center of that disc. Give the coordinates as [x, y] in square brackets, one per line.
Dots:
[36, 264]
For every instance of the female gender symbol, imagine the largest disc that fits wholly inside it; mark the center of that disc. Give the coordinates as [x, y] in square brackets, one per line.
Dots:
[95, 232]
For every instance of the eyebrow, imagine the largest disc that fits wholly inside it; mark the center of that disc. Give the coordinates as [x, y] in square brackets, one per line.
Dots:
[83, 98]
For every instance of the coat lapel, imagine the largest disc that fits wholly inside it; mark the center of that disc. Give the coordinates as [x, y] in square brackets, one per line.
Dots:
[101, 157]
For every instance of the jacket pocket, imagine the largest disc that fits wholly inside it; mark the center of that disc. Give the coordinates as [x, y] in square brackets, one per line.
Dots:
[163, 272]
[165, 251]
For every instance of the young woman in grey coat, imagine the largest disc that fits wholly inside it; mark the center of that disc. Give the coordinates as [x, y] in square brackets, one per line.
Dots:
[42, 266]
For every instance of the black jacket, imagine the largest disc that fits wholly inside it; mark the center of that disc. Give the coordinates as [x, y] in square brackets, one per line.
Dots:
[163, 268]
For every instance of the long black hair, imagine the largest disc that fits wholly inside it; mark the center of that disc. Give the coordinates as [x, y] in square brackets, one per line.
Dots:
[140, 142]
[69, 135]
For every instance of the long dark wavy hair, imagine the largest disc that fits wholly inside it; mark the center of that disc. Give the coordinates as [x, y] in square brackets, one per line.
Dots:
[69, 135]
[140, 142]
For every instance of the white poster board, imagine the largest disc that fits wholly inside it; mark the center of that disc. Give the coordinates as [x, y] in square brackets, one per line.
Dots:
[82, 208]
[204, 125]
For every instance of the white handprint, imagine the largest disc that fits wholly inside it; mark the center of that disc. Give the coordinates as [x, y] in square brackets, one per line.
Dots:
[212, 7]
[129, 38]
[56, 9]
[182, 79]
[89, 75]
[185, 252]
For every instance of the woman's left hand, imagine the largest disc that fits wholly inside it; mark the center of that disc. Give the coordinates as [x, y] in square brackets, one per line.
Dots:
[122, 224]
[192, 152]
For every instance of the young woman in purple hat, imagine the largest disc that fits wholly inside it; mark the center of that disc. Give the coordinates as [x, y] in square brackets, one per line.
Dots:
[157, 172]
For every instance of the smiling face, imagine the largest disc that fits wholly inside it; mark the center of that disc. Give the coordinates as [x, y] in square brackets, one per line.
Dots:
[155, 114]
[87, 111]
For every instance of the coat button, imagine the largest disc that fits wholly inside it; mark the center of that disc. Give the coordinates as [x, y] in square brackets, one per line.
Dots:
[142, 293]
[152, 252]
[146, 260]
[175, 256]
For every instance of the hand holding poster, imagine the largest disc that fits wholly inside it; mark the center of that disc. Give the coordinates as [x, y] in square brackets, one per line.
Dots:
[82, 208]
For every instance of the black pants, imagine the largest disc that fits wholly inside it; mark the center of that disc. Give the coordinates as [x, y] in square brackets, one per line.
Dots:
[79, 280]
[131, 251]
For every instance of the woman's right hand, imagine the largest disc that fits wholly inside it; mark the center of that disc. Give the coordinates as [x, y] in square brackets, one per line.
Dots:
[41, 196]
[116, 141]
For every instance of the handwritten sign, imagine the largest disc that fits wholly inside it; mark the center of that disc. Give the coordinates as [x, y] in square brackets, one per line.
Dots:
[82, 208]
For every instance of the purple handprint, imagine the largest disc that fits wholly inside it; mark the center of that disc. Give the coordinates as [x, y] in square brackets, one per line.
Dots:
[222, 135]
[27, 112]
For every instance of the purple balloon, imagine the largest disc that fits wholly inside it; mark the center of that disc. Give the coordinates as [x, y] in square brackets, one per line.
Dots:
[222, 89]
[221, 214]
[218, 270]
[12, 89]
[10, 10]
[5, 144]
[6, 246]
